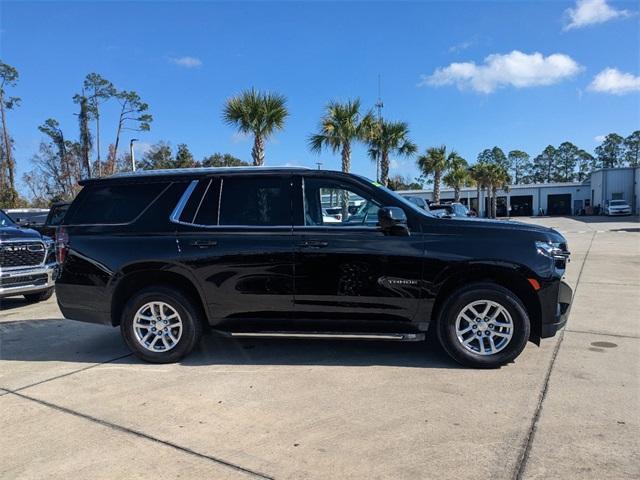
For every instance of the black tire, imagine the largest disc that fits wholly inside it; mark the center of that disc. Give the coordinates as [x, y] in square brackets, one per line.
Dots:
[189, 316]
[40, 296]
[476, 292]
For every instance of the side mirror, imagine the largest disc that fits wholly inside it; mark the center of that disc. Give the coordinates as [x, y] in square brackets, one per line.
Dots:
[393, 221]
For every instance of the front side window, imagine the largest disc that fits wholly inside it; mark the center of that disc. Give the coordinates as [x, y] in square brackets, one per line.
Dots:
[255, 201]
[333, 204]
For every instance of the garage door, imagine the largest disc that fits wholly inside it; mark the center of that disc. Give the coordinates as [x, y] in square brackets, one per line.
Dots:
[559, 204]
[521, 205]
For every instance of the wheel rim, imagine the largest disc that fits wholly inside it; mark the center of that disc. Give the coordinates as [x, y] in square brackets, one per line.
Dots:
[484, 327]
[157, 326]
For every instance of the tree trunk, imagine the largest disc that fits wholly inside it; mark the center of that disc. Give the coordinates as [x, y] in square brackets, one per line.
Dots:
[478, 210]
[98, 141]
[8, 162]
[436, 186]
[346, 166]
[384, 168]
[257, 152]
[494, 202]
[456, 194]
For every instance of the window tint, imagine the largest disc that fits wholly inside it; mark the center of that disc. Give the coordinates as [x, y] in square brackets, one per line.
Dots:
[255, 201]
[56, 215]
[189, 212]
[333, 204]
[111, 204]
[207, 213]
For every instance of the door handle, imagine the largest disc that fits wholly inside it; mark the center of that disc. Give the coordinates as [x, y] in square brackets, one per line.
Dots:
[204, 243]
[313, 244]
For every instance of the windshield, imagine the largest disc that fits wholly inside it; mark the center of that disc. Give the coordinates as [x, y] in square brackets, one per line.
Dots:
[5, 221]
[618, 202]
[399, 197]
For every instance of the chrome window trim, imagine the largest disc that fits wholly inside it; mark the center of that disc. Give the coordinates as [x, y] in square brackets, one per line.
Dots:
[206, 190]
[177, 211]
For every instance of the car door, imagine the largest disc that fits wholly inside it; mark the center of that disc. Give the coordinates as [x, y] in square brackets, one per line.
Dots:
[235, 235]
[349, 271]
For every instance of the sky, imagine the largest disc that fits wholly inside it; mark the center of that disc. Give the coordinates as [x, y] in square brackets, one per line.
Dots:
[467, 74]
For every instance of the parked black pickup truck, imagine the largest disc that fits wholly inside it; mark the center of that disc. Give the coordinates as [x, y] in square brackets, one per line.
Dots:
[163, 254]
[27, 262]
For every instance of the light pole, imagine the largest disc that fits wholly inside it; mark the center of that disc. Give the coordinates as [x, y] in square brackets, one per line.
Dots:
[133, 160]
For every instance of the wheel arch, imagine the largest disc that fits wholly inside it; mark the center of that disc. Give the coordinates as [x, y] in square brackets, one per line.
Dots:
[137, 277]
[509, 277]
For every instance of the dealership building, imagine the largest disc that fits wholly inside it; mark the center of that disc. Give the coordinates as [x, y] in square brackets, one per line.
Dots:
[588, 197]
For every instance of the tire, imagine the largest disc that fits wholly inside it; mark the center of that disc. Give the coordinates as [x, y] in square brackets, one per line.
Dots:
[154, 304]
[465, 346]
[40, 296]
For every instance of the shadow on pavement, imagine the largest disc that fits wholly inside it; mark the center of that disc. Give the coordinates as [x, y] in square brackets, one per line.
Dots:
[68, 341]
[13, 302]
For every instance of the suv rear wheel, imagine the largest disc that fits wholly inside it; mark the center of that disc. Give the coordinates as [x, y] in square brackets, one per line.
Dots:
[160, 325]
[483, 325]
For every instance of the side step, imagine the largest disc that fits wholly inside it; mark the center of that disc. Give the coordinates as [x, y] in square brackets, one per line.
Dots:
[399, 337]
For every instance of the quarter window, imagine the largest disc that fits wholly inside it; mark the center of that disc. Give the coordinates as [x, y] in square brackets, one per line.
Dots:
[113, 204]
[255, 201]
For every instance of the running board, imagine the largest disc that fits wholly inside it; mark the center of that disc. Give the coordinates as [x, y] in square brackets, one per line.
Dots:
[400, 337]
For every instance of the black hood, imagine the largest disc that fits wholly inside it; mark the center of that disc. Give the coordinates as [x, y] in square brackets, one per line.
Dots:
[505, 226]
[17, 233]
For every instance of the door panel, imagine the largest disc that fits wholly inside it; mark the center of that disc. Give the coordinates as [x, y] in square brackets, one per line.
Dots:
[356, 274]
[346, 269]
[240, 246]
[245, 273]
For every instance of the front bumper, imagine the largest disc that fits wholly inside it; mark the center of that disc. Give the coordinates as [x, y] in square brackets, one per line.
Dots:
[27, 280]
[562, 309]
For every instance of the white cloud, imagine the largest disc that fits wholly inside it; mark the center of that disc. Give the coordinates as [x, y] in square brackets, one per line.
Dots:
[591, 12]
[599, 138]
[612, 80]
[186, 62]
[516, 69]
[460, 47]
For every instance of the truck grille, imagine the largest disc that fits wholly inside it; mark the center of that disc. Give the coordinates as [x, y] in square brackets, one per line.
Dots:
[21, 254]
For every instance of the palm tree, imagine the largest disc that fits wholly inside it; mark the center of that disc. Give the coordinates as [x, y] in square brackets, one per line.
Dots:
[479, 175]
[458, 175]
[435, 162]
[340, 126]
[257, 113]
[389, 138]
[498, 178]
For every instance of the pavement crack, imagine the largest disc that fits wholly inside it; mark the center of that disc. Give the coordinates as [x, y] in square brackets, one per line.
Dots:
[137, 433]
[68, 374]
[523, 459]
[603, 334]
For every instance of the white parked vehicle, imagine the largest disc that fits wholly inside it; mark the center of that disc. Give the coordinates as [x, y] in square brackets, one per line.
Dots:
[617, 207]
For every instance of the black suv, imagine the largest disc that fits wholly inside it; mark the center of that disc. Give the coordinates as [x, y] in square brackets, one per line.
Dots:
[248, 250]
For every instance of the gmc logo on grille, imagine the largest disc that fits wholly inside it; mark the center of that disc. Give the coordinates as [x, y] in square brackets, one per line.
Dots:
[23, 248]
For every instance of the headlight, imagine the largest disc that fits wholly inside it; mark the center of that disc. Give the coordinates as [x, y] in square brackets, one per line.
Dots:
[550, 249]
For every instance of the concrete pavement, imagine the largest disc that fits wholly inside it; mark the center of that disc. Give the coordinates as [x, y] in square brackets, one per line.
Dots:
[73, 403]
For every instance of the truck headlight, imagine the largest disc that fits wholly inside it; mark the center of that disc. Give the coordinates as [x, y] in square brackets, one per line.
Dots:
[550, 249]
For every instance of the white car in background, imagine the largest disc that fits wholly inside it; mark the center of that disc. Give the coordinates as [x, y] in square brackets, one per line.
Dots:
[617, 207]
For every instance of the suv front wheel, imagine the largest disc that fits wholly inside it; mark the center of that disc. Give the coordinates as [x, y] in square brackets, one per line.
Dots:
[160, 325]
[483, 325]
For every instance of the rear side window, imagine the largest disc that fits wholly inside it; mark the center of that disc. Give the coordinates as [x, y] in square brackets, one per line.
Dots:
[112, 204]
[255, 201]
